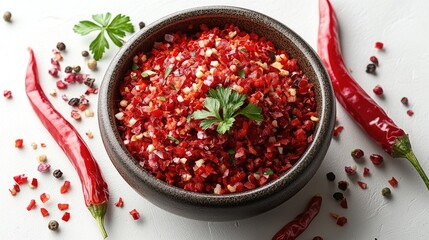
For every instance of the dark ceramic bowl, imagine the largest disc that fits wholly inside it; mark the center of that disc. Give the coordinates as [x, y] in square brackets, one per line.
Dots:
[210, 206]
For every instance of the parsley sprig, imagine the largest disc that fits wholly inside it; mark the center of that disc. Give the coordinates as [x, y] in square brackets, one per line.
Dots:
[115, 29]
[223, 105]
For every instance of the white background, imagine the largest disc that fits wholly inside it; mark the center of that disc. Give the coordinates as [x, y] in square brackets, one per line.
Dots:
[401, 25]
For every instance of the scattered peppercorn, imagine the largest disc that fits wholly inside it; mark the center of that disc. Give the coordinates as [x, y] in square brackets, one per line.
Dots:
[350, 170]
[68, 69]
[342, 185]
[376, 159]
[61, 46]
[338, 196]
[7, 94]
[362, 184]
[330, 176]
[379, 45]
[92, 64]
[142, 24]
[410, 113]
[386, 192]
[76, 69]
[338, 130]
[378, 90]
[53, 225]
[370, 68]
[357, 153]
[374, 60]
[57, 173]
[85, 53]
[7, 16]
[404, 101]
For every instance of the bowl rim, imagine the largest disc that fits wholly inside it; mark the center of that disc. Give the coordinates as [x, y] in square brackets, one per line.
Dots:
[324, 127]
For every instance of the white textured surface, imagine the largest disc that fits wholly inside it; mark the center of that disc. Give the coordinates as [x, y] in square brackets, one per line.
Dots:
[401, 25]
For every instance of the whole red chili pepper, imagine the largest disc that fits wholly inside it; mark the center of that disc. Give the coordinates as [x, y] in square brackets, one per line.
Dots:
[297, 226]
[95, 190]
[366, 112]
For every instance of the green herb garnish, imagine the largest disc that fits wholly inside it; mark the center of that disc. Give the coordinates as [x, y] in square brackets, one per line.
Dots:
[167, 71]
[175, 140]
[134, 66]
[148, 73]
[223, 106]
[115, 29]
[269, 172]
[240, 73]
[272, 56]
[161, 98]
[243, 49]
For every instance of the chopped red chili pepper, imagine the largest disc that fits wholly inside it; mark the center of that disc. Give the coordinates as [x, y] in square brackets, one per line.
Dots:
[297, 226]
[63, 206]
[34, 183]
[61, 84]
[135, 214]
[44, 212]
[362, 184]
[376, 159]
[20, 179]
[31, 205]
[379, 45]
[19, 143]
[393, 182]
[44, 197]
[7, 94]
[65, 187]
[15, 189]
[66, 217]
[343, 203]
[366, 172]
[338, 130]
[119, 203]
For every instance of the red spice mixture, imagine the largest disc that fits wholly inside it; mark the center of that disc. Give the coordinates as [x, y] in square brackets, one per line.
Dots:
[165, 86]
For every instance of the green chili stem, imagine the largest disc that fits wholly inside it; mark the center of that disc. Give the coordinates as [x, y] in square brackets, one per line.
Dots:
[402, 148]
[98, 211]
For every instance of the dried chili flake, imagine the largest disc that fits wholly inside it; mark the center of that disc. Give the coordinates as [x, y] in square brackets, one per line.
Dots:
[65, 187]
[15, 189]
[61, 85]
[376, 159]
[44, 197]
[31, 205]
[63, 206]
[393, 182]
[66, 217]
[343, 203]
[379, 45]
[44, 212]
[366, 172]
[34, 183]
[7, 94]
[362, 184]
[19, 143]
[20, 179]
[135, 214]
[338, 130]
[120, 202]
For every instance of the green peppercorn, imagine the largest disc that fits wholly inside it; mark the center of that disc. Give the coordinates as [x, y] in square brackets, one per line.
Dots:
[61, 46]
[57, 173]
[76, 69]
[68, 69]
[85, 53]
[53, 225]
[386, 192]
[7, 16]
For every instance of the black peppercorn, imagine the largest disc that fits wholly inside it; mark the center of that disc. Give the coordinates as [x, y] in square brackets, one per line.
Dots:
[343, 185]
[142, 25]
[404, 101]
[74, 102]
[370, 68]
[85, 53]
[61, 46]
[338, 196]
[53, 225]
[330, 176]
[68, 69]
[57, 173]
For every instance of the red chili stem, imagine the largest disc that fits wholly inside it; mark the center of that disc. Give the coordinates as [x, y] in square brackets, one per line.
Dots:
[298, 225]
[94, 187]
[365, 111]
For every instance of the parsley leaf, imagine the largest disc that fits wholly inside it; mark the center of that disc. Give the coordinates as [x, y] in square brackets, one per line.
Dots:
[115, 29]
[228, 102]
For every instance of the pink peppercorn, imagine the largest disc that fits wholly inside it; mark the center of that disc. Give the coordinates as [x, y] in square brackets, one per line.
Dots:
[53, 72]
[378, 90]
[376, 159]
[366, 172]
[410, 113]
[61, 84]
[374, 60]
[7, 94]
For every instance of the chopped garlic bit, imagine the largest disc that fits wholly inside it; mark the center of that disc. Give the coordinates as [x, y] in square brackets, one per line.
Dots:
[277, 65]
[150, 148]
[314, 119]
[119, 116]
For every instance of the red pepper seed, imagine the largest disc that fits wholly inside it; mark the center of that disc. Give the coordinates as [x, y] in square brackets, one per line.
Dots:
[19, 143]
[65, 217]
[44, 197]
[410, 113]
[119, 203]
[379, 45]
[63, 206]
[376, 159]
[44, 212]
[135, 214]
[31, 205]
[393, 182]
[374, 60]
[7, 94]
[378, 90]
